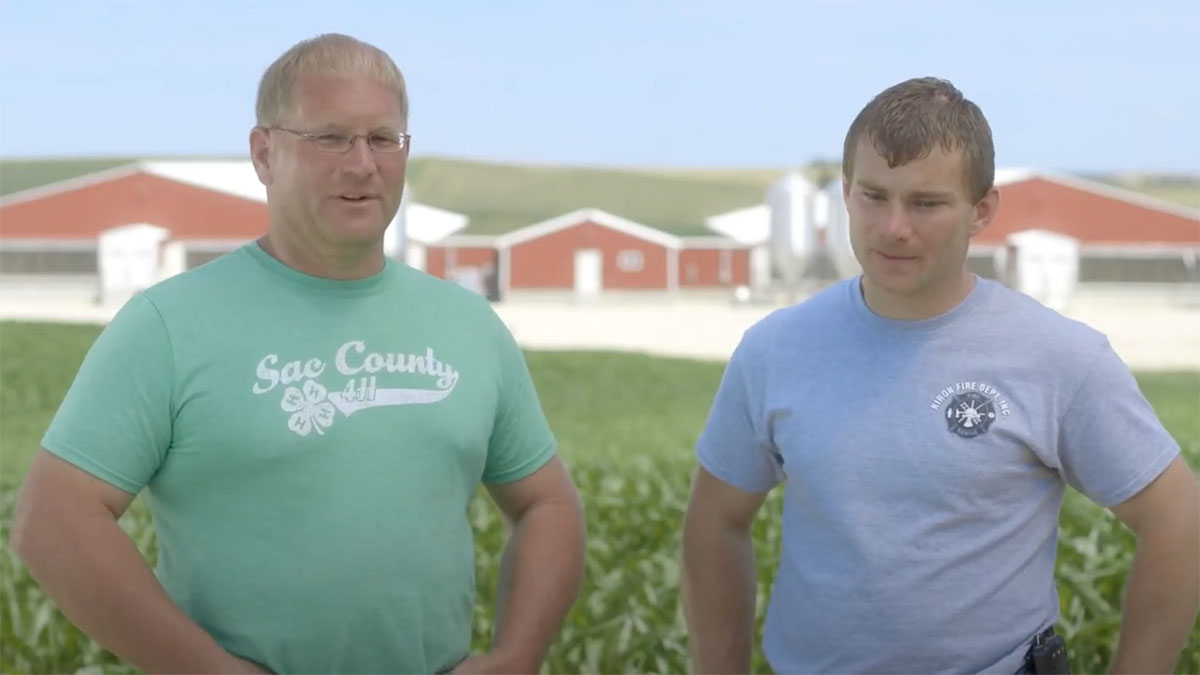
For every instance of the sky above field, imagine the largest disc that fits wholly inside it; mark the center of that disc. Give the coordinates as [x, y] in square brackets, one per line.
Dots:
[1070, 86]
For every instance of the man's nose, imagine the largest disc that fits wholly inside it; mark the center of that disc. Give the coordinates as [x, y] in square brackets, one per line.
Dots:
[895, 223]
[360, 158]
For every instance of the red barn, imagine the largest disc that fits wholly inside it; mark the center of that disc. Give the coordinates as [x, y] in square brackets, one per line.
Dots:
[1123, 236]
[212, 206]
[708, 262]
[470, 260]
[589, 251]
[49, 235]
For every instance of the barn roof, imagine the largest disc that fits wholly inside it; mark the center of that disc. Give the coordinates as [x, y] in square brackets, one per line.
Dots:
[1094, 213]
[1011, 176]
[588, 215]
[1100, 213]
[235, 178]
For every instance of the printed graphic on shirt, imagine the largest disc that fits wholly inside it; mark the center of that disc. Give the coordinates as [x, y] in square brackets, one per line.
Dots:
[970, 407]
[311, 406]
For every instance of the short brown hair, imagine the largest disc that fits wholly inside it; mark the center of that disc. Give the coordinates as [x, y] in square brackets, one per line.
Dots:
[328, 54]
[905, 121]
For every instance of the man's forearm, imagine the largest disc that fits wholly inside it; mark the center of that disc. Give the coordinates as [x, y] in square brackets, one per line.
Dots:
[90, 568]
[540, 575]
[719, 597]
[1161, 598]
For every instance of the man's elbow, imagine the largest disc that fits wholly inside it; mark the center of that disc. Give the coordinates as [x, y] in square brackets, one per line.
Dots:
[41, 521]
[571, 505]
[25, 531]
[567, 502]
[560, 513]
[706, 539]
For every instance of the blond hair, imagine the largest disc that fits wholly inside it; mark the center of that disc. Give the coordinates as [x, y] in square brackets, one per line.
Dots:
[905, 122]
[328, 54]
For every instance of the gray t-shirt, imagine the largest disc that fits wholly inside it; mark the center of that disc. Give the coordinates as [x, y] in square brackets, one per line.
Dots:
[925, 464]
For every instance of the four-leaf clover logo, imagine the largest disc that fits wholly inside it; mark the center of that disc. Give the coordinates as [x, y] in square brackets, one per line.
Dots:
[309, 408]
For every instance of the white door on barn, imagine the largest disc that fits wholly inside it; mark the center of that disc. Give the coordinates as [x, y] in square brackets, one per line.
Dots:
[588, 272]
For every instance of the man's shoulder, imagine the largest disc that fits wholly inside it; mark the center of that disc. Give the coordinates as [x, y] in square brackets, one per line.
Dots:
[1030, 319]
[435, 287]
[439, 292]
[1020, 330]
[225, 271]
[807, 320]
[825, 305]
[458, 309]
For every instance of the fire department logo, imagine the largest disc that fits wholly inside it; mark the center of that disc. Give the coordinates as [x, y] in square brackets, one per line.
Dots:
[970, 414]
[969, 407]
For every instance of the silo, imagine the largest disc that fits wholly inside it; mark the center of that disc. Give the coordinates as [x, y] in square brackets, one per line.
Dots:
[837, 232]
[793, 225]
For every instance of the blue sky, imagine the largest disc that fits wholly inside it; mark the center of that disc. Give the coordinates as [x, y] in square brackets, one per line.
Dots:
[1072, 86]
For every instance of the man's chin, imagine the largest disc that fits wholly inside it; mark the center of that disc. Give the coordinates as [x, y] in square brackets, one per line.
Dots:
[891, 281]
[356, 233]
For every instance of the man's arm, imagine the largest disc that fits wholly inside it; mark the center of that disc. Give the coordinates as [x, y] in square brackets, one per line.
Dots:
[65, 531]
[1163, 589]
[540, 571]
[719, 577]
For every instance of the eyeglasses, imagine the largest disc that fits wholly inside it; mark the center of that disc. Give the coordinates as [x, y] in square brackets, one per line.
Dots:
[383, 142]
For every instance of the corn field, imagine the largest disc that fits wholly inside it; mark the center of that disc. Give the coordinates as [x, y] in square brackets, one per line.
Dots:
[629, 452]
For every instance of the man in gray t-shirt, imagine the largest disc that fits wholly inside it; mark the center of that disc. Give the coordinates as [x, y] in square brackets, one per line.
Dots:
[926, 423]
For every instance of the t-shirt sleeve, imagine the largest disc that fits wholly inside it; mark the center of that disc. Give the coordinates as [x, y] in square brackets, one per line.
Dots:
[1111, 442]
[521, 440]
[734, 445]
[115, 421]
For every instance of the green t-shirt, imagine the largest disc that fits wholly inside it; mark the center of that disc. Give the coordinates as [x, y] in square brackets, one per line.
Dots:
[308, 449]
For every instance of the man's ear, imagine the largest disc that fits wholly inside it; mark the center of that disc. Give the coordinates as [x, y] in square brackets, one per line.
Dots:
[985, 211]
[260, 153]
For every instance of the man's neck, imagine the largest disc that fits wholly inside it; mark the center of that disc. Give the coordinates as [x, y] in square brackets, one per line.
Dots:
[345, 263]
[918, 306]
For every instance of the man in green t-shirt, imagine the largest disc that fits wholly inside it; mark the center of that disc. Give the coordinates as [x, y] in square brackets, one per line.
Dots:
[307, 420]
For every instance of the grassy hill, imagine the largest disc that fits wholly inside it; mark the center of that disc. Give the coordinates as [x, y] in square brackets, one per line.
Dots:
[499, 198]
[22, 174]
[1181, 189]
[502, 197]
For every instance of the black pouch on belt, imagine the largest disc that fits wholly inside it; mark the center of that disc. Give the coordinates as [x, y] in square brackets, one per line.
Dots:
[1048, 654]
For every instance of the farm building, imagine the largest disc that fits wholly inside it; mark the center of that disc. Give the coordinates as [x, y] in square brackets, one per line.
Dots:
[587, 252]
[789, 232]
[104, 235]
[468, 260]
[751, 228]
[1121, 236]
